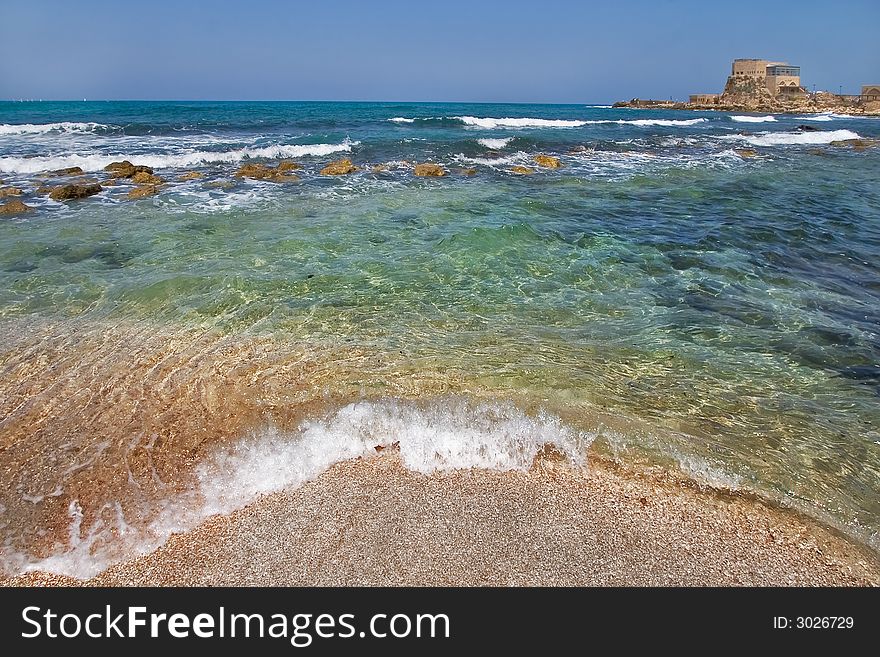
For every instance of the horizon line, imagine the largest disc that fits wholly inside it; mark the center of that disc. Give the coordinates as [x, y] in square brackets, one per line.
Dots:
[290, 100]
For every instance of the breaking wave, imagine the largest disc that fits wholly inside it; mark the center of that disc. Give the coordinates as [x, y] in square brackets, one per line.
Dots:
[489, 122]
[753, 119]
[795, 138]
[165, 161]
[495, 144]
[433, 436]
[42, 128]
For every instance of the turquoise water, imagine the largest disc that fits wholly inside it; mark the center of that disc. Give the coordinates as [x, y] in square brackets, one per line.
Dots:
[710, 281]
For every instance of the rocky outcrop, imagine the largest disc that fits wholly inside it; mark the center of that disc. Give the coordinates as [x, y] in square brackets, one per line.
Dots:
[14, 207]
[429, 170]
[547, 161]
[6, 192]
[339, 168]
[287, 165]
[70, 192]
[69, 171]
[191, 175]
[126, 169]
[264, 172]
[144, 178]
[523, 171]
[143, 191]
[746, 152]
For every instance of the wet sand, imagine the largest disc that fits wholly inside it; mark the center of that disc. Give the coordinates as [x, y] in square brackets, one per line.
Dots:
[372, 522]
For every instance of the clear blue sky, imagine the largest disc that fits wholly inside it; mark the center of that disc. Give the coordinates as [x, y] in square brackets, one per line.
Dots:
[423, 50]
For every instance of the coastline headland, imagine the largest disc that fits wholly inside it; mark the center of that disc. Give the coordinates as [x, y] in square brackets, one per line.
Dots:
[760, 85]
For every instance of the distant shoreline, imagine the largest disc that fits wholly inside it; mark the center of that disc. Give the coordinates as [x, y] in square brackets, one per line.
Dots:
[870, 109]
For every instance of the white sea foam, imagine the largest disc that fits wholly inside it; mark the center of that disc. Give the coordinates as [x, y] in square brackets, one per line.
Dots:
[669, 123]
[495, 144]
[41, 128]
[519, 157]
[432, 436]
[402, 119]
[816, 117]
[753, 119]
[163, 161]
[795, 138]
[489, 122]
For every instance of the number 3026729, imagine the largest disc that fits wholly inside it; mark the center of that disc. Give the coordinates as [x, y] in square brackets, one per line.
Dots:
[814, 622]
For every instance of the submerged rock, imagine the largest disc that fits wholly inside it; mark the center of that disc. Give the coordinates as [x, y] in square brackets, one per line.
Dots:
[6, 192]
[143, 191]
[857, 144]
[126, 169]
[339, 168]
[144, 178]
[263, 172]
[191, 175]
[69, 171]
[746, 152]
[468, 172]
[69, 192]
[547, 161]
[14, 207]
[430, 170]
[523, 171]
[220, 184]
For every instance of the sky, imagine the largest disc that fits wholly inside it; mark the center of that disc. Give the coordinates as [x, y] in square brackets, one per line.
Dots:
[420, 50]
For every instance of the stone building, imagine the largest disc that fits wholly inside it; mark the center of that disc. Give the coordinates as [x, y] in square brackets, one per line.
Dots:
[704, 99]
[871, 92]
[779, 77]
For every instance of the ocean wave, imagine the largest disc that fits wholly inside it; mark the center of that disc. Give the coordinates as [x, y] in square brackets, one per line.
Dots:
[519, 157]
[489, 122]
[797, 138]
[168, 161]
[669, 123]
[42, 128]
[753, 119]
[402, 119]
[441, 435]
[817, 117]
[495, 144]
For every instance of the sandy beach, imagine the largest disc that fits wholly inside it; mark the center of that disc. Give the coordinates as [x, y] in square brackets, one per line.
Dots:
[373, 522]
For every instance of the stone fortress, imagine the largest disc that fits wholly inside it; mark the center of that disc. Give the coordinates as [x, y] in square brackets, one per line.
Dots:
[771, 86]
[757, 78]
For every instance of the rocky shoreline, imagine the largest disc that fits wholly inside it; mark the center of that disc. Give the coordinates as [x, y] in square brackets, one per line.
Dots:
[818, 104]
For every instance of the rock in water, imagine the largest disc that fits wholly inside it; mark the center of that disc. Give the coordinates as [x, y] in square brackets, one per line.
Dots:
[427, 169]
[144, 178]
[256, 171]
[14, 207]
[746, 152]
[191, 175]
[6, 192]
[547, 161]
[70, 171]
[807, 128]
[857, 144]
[68, 192]
[339, 168]
[126, 169]
[287, 165]
[523, 171]
[143, 191]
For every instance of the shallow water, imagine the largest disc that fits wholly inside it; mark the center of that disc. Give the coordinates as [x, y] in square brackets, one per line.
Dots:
[672, 297]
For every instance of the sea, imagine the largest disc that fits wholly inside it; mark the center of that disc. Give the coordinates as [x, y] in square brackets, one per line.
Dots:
[690, 292]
